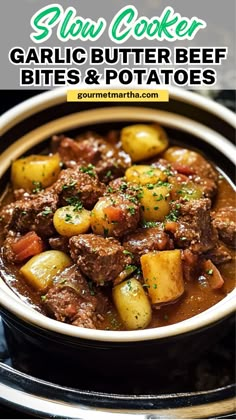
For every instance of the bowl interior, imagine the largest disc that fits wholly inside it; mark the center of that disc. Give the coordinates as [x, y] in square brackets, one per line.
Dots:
[183, 129]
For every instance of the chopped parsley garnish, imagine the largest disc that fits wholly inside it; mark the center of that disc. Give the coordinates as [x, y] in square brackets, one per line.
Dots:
[75, 202]
[168, 171]
[68, 217]
[146, 224]
[172, 216]
[110, 189]
[47, 211]
[150, 186]
[129, 285]
[131, 267]
[131, 210]
[126, 252]
[105, 231]
[123, 186]
[43, 298]
[91, 289]
[70, 185]
[62, 281]
[78, 207]
[131, 198]
[210, 272]
[160, 197]
[150, 172]
[140, 195]
[38, 187]
[88, 170]
[163, 184]
[108, 174]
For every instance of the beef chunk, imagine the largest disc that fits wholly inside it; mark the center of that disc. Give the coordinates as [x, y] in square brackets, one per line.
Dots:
[147, 240]
[120, 185]
[73, 183]
[164, 166]
[207, 185]
[224, 220]
[200, 172]
[34, 214]
[110, 161]
[17, 248]
[191, 265]
[65, 305]
[197, 164]
[112, 165]
[90, 148]
[203, 176]
[219, 254]
[6, 214]
[127, 214]
[204, 169]
[193, 227]
[101, 259]
[69, 299]
[21, 194]
[8, 253]
[61, 243]
[76, 152]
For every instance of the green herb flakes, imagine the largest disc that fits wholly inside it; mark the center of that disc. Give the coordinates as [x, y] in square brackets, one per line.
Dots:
[88, 170]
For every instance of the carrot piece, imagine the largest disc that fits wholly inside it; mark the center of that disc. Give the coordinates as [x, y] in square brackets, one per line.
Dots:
[183, 169]
[114, 214]
[212, 275]
[171, 226]
[27, 246]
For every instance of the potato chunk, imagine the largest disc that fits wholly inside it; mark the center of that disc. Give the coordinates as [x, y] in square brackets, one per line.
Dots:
[99, 222]
[70, 221]
[144, 174]
[163, 275]
[143, 141]
[35, 169]
[155, 203]
[187, 190]
[40, 270]
[182, 156]
[132, 304]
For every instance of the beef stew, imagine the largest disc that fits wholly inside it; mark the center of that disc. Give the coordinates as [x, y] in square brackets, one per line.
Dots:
[122, 232]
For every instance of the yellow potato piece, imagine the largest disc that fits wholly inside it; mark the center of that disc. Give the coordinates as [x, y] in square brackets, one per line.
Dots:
[144, 174]
[163, 275]
[41, 269]
[99, 222]
[182, 156]
[187, 190]
[143, 141]
[155, 203]
[69, 222]
[132, 304]
[35, 170]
